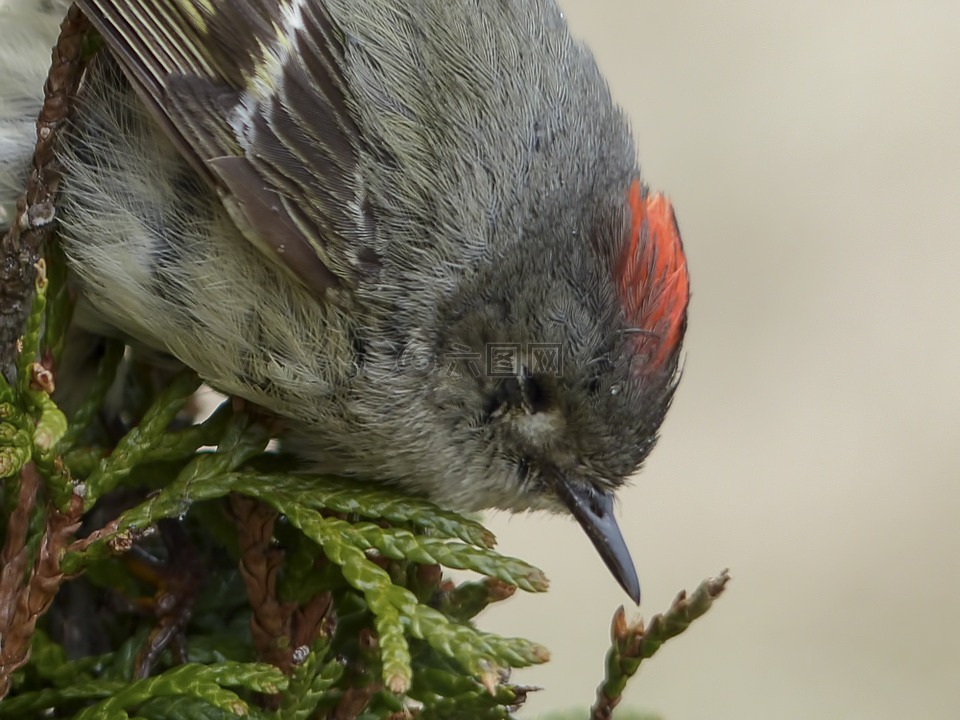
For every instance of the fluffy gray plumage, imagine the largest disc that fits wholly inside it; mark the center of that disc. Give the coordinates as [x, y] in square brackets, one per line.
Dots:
[334, 209]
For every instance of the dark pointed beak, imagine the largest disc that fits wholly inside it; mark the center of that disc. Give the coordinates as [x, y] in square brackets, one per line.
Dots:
[594, 511]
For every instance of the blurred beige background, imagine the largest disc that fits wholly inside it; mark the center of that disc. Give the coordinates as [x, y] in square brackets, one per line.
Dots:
[812, 151]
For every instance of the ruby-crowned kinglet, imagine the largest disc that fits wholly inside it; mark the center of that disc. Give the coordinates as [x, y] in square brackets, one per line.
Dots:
[415, 229]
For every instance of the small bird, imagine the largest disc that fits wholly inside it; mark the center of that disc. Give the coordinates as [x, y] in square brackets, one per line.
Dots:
[415, 229]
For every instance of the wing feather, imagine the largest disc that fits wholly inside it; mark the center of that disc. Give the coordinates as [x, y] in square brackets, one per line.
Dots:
[253, 94]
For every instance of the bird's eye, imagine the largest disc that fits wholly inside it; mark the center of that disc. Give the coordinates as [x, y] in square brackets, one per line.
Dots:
[535, 395]
[593, 385]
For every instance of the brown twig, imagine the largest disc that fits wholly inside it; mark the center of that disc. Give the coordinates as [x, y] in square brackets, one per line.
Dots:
[22, 246]
[14, 555]
[108, 530]
[354, 701]
[281, 632]
[310, 620]
[270, 621]
[32, 600]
